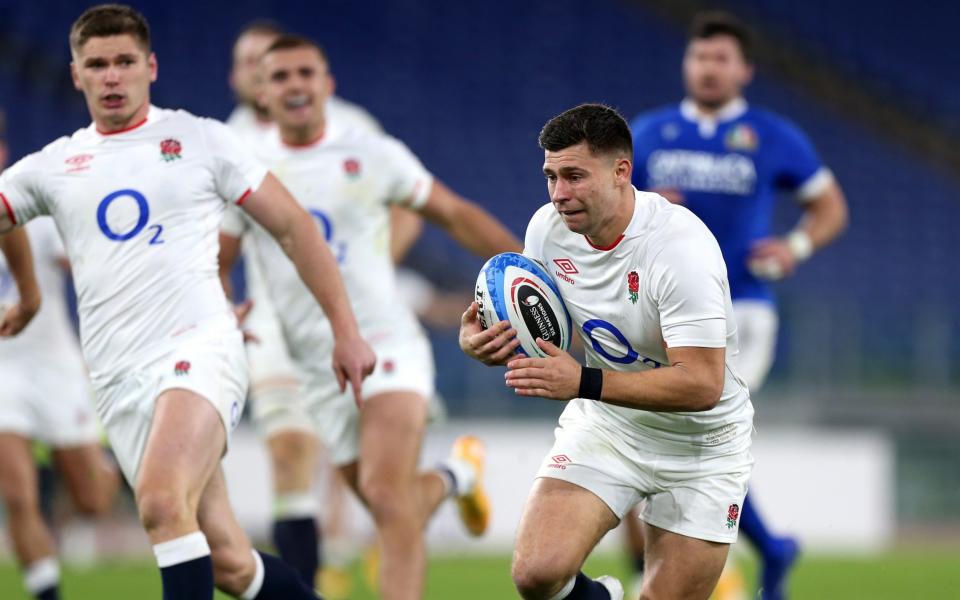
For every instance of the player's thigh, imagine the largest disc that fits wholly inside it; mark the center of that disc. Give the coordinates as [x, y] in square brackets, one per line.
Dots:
[757, 324]
[680, 567]
[293, 456]
[230, 547]
[18, 472]
[561, 524]
[90, 477]
[186, 441]
[391, 433]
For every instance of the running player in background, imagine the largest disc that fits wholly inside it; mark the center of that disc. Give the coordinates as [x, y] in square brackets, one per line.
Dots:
[274, 380]
[138, 197]
[347, 179]
[46, 398]
[658, 413]
[726, 161]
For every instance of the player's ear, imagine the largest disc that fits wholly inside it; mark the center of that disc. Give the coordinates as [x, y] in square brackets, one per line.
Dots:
[623, 169]
[75, 76]
[152, 65]
[332, 85]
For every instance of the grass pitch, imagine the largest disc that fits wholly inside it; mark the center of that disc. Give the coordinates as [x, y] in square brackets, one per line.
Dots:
[927, 574]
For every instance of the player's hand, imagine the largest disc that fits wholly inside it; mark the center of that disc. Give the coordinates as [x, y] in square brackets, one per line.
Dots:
[493, 346]
[674, 195]
[555, 378]
[240, 311]
[353, 360]
[771, 259]
[14, 319]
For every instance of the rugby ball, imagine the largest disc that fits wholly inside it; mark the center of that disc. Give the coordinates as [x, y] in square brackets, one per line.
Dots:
[516, 288]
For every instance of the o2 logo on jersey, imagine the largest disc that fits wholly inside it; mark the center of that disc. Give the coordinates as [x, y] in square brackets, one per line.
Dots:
[142, 217]
[593, 328]
[338, 248]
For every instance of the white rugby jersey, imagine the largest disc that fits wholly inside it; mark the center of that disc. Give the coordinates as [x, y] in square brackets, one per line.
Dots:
[49, 337]
[138, 211]
[346, 181]
[243, 120]
[662, 284]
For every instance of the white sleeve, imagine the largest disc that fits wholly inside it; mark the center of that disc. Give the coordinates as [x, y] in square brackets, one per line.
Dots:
[235, 170]
[536, 233]
[21, 190]
[687, 281]
[235, 222]
[410, 180]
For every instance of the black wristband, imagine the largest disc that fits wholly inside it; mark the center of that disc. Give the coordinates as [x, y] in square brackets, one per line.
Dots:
[591, 383]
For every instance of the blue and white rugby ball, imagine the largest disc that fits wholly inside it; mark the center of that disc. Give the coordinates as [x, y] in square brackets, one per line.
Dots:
[516, 288]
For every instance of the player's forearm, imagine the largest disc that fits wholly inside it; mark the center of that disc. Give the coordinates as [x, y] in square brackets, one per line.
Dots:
[229, 250]
[825, 217]
[319, 271]
[676, 388]
[16, 248]
[479, 232]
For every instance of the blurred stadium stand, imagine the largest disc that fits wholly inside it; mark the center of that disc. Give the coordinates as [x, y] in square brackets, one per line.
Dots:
[871, 327]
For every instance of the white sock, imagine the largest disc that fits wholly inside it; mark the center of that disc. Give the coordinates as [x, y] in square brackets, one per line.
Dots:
[254, 588]
[565, 591]
[295, 505]
[464, 475]
[182, 549]
[41, 575]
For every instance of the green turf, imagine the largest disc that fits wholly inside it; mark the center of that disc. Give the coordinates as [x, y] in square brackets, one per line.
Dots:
[927, 575]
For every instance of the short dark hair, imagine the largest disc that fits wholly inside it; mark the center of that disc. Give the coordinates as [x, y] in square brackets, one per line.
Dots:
[106, 20]
[263, 27]
[289, 41]
[603, 128]
[717, 22]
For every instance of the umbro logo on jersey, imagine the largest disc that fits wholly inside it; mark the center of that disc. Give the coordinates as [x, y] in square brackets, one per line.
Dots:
[560, 461]
[351, 167]
[170, 150]
[79, 162]
[182, 367]
[633, 286]
[567, 268]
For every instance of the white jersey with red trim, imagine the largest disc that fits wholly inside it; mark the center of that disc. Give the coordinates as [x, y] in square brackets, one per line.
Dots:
[662, 284]
[139, 212]
[346, 181]
[49, 337]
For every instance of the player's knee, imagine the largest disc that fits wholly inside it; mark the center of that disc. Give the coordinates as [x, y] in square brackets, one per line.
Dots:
[20, 500]
[537, 577]
[233, 568]
[161, 508]
[389, 502]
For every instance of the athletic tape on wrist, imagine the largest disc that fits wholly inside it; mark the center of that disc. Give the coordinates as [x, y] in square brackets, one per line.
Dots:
[800, 244]
[591, 383]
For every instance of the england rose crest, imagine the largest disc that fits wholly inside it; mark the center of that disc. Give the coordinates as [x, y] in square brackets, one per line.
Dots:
[733, 513]
[170, 150]
[182, 367]
[633, 286]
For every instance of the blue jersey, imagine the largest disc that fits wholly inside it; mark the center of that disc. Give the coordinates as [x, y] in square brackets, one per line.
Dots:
[729, 170]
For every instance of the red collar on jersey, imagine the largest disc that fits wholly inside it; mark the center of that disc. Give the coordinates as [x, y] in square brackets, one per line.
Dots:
[605, 248]
[124, 130]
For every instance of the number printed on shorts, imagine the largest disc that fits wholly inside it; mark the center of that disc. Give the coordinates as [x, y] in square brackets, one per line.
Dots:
[143, 217]
[629, 354]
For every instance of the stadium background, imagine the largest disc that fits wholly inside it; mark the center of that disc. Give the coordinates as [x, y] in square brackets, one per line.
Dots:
[870, 339]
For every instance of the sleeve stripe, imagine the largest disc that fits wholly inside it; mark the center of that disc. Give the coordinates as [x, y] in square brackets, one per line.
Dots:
[244, 197]
[6, 205]
[815, 185]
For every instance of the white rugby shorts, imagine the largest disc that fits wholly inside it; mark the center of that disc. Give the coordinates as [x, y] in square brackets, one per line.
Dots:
[49, 400]
[209, 360]
[404, 364]
[695, 495]
[757, 325]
